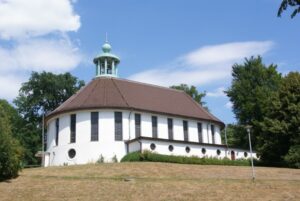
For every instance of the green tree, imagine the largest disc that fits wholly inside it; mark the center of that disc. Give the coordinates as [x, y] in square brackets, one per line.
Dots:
[289, 3]
[280, 139]
[193, 92]
[236, 136]
[43, 93]
[10, 149]
[251, 90]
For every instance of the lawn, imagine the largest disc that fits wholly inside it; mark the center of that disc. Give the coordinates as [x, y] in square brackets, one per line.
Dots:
[152, 181]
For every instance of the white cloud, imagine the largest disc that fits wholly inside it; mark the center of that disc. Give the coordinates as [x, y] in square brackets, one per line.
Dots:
[228, 52]
[36, 38]
[208, 64]
[41, 54]
[219, 92]
[229, 105]
[10, 85]
[23, 18]
[168, 78]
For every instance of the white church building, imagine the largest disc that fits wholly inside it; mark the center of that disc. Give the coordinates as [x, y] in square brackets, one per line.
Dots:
[111, 117]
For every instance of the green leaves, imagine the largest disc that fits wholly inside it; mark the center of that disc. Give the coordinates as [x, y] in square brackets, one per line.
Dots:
[289, 3]
[10, 150]
[193, 92]
[43, 93]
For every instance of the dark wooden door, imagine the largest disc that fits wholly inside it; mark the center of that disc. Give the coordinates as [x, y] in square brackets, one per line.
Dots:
[232, 155]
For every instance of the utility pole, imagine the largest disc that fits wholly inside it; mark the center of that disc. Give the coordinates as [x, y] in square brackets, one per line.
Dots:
[248, 127]
[43, 141]
[226, 141]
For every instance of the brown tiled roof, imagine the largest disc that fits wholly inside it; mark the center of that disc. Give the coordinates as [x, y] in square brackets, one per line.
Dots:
[108, 92]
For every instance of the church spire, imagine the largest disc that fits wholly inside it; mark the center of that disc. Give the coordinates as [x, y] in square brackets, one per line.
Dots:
[106, 62]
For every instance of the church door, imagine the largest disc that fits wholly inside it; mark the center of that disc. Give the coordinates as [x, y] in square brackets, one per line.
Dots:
[232, 155]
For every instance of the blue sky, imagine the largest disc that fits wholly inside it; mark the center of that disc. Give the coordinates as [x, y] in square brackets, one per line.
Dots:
[160, 42]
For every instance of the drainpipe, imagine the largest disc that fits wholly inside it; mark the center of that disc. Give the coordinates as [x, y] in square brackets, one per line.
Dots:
[43, 141]
[140, 145]
[208, 124]
[129, 123]
[226, 141]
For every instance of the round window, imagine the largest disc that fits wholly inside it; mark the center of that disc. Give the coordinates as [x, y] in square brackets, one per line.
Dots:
[171, 148]
[203, 150]
[245, 154]
[152, 146]
[72, 153]
[218, 152]
[187, 149]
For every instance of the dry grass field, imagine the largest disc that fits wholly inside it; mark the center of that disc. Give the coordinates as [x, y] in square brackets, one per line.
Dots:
[152, 181]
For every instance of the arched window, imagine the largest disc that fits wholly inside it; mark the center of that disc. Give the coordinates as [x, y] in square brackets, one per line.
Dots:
[171, 148]
[245, 154]
[203, 150]
[187, 149]
[218, 152]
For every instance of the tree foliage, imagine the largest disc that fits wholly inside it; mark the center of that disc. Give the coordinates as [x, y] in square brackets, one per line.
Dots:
[280, 127]
[236, 136]
[251, 90]
[193, 92]
[10, 149]
[43, 93]
[289, 3]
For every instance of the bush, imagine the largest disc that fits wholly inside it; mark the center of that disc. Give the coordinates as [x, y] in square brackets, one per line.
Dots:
[10, 150]
[114, 159]
[154, 157]
[133, 156]
[100, 159]
[293, 157]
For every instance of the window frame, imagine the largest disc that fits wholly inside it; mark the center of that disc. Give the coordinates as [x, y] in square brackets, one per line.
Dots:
[200, 132]
[73, 128]
[185, 126]
[118, 126]
[94, 126]
[137, 124]
[154, 126]
[212, 129]
[170, 129]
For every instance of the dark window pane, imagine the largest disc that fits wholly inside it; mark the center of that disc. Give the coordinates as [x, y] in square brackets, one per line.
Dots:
[137, 118]
[94, 126]
[213, 133]
[73, 128]
[56, 131]
[170, 128]
[185, 131]
[154, 126]
[199, 125]
[118, 126]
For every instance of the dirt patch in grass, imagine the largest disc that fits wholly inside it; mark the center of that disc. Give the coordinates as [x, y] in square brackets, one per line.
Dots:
[152, 181]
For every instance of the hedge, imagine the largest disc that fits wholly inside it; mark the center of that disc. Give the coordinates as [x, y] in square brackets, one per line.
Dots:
[155, 157]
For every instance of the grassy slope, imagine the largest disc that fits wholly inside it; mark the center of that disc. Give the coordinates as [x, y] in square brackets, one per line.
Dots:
[152, 181]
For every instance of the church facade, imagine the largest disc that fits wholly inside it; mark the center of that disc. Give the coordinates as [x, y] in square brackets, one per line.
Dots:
[111, 117]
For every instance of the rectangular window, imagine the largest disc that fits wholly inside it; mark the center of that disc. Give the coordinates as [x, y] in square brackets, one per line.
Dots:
[56, 131]
[170, 128]
[185, 131]
[154, 126]
[137, 118]
[94, 126]
[118, 126]
[212, 127]
[199, 125]
[73, 128]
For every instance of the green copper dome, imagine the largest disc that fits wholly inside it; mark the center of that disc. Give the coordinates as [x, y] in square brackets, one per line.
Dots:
[106, 47]
[106, 62]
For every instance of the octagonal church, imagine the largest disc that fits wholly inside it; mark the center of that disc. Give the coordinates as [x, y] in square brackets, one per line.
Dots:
[111, 117]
